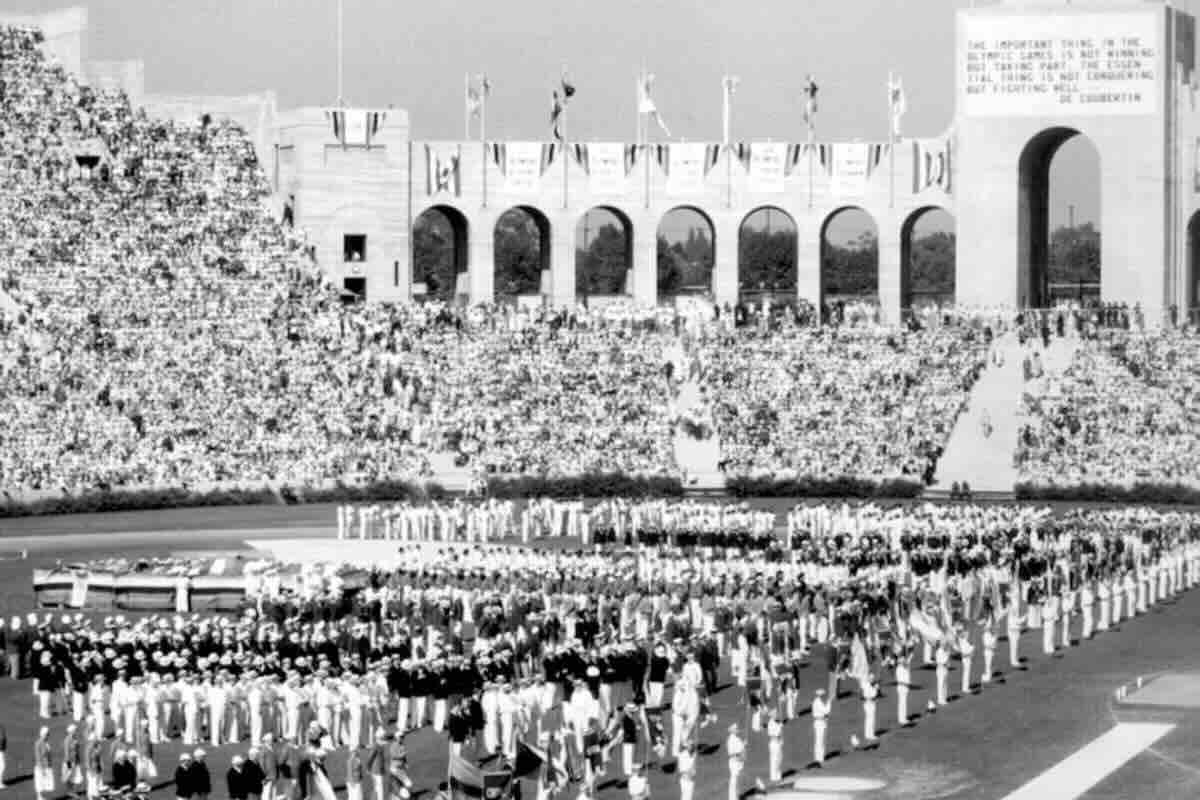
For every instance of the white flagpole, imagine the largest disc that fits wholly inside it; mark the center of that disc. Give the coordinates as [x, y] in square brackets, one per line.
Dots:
[646, 136]
[565, 103]
[725, 109]
[484, 91]
[340, 48]
[467, 105]
[891, 141]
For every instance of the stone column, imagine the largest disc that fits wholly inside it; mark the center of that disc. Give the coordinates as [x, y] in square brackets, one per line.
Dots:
[890, 269]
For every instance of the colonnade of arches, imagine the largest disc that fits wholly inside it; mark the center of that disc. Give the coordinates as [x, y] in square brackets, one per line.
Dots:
[686, 254]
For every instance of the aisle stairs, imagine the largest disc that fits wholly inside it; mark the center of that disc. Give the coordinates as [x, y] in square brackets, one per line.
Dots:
[699, 459]
[986, 462]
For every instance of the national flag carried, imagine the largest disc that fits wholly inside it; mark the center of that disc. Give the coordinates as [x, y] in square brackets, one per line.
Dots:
[468, 782]
[897, 102]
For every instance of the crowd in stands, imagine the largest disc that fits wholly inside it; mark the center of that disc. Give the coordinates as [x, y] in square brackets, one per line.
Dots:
[839, 402]
[171, 332]
[1124, 410]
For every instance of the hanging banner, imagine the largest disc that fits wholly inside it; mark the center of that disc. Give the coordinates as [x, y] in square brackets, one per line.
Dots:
[606, 168]
[442, 169]
[767, 163]
[685, 170]
[522, 167]
[932, 166]
[850, 164]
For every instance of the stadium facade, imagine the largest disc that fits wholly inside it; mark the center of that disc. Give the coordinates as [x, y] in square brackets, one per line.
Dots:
[1030, 75]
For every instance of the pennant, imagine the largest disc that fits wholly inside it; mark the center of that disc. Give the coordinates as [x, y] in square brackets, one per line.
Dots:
[375, 120]
[549, 153]
[712, 155]
[794, 152]
[337, 119]
[875, 154]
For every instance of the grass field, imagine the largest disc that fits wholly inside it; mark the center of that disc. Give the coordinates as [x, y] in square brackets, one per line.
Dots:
[981, 746]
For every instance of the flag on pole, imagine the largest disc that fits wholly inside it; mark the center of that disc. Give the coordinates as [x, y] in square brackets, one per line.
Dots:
[557, 106]
[468, 782]
[646, 102]
[810, 104]
[568, 89]
[474, 102]
[897, 102]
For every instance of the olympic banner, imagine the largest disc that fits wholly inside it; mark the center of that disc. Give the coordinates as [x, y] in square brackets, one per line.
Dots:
[606, 168]
[850, 168]
[767, 163]
[685, 171]
[522, 167]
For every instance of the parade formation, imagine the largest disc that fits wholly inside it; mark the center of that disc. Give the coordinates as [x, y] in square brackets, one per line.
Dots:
[539, 664]
[533, 590]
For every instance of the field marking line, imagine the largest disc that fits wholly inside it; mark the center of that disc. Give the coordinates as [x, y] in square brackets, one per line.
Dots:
[1092, 763]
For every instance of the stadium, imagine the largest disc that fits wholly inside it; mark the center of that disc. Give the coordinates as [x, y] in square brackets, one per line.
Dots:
[338, 463]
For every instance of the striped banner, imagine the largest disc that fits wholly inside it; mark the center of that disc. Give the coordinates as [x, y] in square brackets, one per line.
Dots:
[932, 166]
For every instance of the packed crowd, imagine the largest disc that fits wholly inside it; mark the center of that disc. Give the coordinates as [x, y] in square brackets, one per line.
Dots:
[565, 655]
[836, 403]
[1125, 410]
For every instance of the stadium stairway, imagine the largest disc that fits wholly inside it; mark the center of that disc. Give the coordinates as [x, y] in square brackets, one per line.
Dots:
[986, 462]
[699, 459]
[450, 476]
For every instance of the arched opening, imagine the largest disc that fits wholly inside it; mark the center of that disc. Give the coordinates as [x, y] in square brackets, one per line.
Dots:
[522, 253]
[1059, 206]
[927, 254]
[439, 254]
[849, 265]
[687, 244]
[767, 242]
[1191, 287]
[604, 253]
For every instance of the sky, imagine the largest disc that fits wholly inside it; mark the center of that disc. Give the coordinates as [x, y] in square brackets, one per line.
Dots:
[415, 56]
